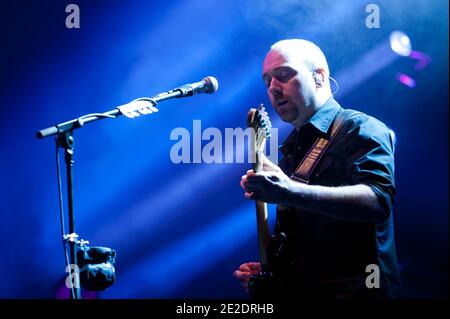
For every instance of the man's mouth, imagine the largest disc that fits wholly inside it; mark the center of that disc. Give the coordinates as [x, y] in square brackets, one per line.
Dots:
[281, 102]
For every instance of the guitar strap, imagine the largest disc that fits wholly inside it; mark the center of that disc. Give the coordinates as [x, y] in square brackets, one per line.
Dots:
[306, 167]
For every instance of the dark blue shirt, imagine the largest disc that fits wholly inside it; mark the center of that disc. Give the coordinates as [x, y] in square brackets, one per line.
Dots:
[325, 256]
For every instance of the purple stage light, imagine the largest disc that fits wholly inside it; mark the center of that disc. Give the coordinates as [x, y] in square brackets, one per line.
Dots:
[406, 80]
[422, 59]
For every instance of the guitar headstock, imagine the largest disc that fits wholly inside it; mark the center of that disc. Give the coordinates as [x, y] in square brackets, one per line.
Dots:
[259, 120]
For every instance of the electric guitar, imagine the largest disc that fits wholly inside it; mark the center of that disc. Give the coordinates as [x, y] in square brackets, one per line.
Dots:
[263, 284]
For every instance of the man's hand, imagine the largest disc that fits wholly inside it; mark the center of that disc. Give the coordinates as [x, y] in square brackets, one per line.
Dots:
[245, 271]
[270, 185]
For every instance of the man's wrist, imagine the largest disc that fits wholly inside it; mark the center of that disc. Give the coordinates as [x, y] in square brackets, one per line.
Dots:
[295, 194]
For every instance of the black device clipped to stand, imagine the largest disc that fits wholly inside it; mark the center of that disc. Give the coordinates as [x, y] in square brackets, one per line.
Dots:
[89, 267]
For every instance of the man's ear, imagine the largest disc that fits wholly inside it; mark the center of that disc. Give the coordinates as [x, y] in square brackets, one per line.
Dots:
[319, 76]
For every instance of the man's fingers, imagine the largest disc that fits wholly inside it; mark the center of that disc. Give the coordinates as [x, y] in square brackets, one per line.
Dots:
[256, 182]
[246, 270]
[244, 267]
[246, 187]
[254, 177]
[242, 275]
[250, 266]
[249, 195]
[254, 265]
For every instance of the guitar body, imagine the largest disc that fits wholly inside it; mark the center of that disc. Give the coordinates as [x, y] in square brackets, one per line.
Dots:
[263, 285]
[267, 284]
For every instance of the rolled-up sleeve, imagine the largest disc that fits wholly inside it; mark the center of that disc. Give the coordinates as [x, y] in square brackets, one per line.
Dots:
[370, 159]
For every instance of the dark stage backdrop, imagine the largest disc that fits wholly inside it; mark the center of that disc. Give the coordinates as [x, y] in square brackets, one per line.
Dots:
[181, 229]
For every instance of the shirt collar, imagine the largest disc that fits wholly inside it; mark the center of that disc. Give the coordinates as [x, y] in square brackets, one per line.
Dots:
[325, 115]
[321, 120]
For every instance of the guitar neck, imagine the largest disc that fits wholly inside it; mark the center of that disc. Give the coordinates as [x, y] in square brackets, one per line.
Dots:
[262, 224]
[263, 233]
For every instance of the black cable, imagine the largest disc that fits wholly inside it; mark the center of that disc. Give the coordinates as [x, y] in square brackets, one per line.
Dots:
[61, 213]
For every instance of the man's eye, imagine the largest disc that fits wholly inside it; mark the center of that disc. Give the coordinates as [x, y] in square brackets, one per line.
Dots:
[284, 75]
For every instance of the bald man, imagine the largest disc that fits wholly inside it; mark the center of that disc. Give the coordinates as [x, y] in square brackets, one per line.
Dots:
[338, 228]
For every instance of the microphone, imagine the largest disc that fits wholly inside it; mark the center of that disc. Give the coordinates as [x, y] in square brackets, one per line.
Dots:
[147, 105]
[208, 85]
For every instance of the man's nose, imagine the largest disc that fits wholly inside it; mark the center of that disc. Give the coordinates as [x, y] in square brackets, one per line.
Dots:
[275, 88]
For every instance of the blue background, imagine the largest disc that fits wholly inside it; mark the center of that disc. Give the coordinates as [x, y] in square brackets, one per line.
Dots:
[181, 230]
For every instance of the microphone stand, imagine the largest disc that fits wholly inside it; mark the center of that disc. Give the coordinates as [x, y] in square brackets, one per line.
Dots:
[65, 140]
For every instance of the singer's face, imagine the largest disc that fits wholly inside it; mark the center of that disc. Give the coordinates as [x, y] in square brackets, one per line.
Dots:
[289, 86]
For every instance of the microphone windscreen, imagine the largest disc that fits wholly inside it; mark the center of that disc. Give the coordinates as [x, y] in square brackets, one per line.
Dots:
[211, 84]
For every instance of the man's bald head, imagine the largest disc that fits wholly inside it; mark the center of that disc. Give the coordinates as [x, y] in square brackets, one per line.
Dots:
[305, 51]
